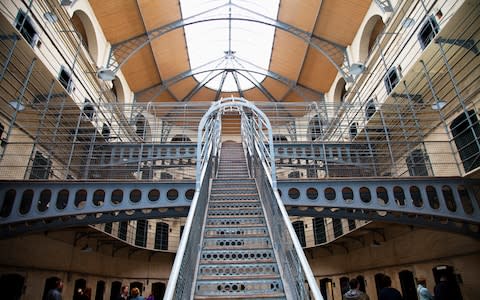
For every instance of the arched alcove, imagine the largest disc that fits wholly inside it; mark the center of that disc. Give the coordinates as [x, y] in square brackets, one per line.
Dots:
[117, 91]
[340, 92]
[371, 31]
[142, 127]
[84, 27]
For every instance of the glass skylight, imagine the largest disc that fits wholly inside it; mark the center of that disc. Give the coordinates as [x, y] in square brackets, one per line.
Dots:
[224, 51]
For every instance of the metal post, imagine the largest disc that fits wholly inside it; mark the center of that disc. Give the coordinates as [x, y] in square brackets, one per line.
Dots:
[9, 56]
[442, 117]
[19, 103]
[40, 126]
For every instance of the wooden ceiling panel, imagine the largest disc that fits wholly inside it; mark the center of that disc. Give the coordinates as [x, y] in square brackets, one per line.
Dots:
[339, 20]
[301, 14]
[181, 89]
[170, 54]
[318, 73]
[287, 55]
[165, 96]
[205, 94]
[140, 71]
[159, 13]
[275, 87]
[254, 95]
[119, 19]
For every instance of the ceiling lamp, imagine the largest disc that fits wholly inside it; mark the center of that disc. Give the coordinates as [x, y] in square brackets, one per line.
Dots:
[439, 105]
[50, 17]
[408, 22]
[357, 69]
[106, 74]
[17, 105]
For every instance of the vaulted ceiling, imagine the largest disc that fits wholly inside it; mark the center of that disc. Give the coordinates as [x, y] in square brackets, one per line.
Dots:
[309, 36]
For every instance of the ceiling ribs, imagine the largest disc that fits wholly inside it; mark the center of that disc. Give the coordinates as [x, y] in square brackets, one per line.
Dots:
[121, 52]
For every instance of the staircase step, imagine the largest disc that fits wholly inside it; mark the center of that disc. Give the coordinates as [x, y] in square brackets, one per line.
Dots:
[229, 288]
[237, 259]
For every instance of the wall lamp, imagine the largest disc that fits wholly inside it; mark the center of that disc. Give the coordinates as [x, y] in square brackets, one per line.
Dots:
[106, 74]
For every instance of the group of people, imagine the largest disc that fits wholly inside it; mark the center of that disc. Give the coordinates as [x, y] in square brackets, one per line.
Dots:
[134, 294]
[442, 291]
[56, 293]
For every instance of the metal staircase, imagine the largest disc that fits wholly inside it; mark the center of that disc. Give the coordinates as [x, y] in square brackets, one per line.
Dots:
[237, 259]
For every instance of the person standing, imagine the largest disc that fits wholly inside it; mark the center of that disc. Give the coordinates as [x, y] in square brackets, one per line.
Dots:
[354, 293]
[123, 293]
[136, 294]
[423, 292]
[56, 293]
[388, 292]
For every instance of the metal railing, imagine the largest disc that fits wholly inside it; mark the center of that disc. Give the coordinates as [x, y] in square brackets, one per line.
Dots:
[297, 276]
[182, 277]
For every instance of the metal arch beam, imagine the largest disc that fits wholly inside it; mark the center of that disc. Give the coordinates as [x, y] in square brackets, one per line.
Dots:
[121, 52]
[152, 92]
[259, 86]
[237, 82]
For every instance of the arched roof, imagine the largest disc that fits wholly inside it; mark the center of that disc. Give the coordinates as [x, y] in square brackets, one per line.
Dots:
[149, 46]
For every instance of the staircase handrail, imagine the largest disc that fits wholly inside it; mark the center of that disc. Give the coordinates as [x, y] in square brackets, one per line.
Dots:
[253, 125]
[208, 138]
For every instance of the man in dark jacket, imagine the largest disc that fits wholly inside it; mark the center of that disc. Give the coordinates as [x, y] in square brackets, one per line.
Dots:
[354, 293]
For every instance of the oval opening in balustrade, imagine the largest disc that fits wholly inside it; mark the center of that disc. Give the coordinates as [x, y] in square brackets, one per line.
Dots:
[449, 198]
[80, 198]
[181, 151]
[117, 196]
[465, 200]
[399, 195]
[135, 195]
[432, 197]
[347, 194]
[62, 199]
[172, 194]
[294, 193]
[312, 193]
[8, 201]
[44, 200]
[26, 202]
[98, 197]
[416, 196]
[330, 193]
[382, 195]
[365, 194]
[189, 194]
[154, 195]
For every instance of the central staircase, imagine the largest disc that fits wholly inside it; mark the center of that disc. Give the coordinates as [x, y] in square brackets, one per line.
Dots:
[237, 259]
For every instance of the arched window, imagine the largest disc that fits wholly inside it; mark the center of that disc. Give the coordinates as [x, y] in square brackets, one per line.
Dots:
[466, 134]
[417, 163]
[141, 233]
[337, 227]
[319, 230]
[370, 109]
[161, 236]
[142, 128]
[391, 79]
[428, 31]
[86, 32]
[372, 30]
[353, 130]
[300, 231]
[315, 128]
